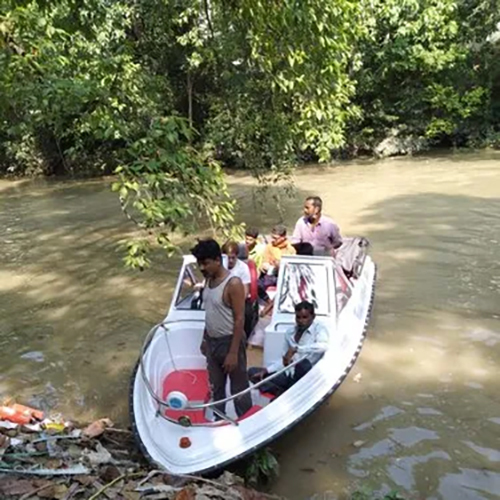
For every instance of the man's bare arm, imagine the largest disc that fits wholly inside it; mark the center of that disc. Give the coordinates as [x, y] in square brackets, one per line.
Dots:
[236, 301]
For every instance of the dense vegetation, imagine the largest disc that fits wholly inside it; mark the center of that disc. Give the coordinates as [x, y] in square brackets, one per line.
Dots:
[167, 92]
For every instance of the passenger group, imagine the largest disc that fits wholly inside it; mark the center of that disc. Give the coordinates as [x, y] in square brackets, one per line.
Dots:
[232, 311]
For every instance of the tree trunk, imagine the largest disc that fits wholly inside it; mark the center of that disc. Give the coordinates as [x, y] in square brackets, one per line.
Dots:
[190, 98]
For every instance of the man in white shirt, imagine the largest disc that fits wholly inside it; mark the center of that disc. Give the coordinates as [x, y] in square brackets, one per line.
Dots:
[307, 341]
[235, 266]
[238, 268]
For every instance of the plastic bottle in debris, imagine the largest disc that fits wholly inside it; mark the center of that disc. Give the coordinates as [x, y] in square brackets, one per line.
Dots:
[14, 416]
[20, 414]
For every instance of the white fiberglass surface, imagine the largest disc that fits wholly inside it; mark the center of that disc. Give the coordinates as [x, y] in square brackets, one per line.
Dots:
[212, 447]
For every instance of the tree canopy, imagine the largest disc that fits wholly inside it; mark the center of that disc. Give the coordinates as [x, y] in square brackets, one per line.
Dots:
[166, 93]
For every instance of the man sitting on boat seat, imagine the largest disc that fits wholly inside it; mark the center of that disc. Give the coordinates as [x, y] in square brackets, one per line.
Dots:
[274, 251]
[303, 248]
[279, 246]
[307, 341]
[254, 247]
[223, 339]
[317, 229]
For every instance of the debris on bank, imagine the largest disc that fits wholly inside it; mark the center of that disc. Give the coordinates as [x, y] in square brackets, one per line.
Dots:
[52, 459]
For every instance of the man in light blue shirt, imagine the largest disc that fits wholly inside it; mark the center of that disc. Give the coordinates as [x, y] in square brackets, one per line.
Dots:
[307, 341]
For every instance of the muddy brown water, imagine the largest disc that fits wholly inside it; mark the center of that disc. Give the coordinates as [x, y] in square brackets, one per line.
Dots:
[420, 412]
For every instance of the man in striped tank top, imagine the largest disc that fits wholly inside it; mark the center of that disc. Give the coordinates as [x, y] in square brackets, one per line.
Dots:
[223, 341]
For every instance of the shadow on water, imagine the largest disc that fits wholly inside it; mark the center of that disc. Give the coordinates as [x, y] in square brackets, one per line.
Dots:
[424, 417]
[71, 317]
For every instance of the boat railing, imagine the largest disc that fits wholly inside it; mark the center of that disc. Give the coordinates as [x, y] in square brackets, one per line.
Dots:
[201, 406]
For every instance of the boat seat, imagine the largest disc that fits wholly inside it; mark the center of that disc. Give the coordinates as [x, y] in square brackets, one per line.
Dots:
[194, 384]
[267, 395]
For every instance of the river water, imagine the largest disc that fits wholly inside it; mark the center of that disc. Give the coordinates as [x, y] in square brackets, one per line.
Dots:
[419, 413]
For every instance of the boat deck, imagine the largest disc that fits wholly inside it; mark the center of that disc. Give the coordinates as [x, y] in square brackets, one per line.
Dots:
[255, 356]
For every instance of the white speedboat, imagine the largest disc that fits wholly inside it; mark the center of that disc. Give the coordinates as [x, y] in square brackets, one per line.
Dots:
[171, 409]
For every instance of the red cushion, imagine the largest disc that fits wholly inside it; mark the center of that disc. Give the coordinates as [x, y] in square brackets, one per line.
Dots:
[193, 383]
[267, 395]
[254, 276]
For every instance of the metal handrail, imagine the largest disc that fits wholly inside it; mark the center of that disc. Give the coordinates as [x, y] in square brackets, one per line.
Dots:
[152, 393]
[145, 379]
[249, 389]
[210, 404]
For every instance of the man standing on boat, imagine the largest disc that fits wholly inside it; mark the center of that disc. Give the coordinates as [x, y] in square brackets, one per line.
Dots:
[235, 266]
[317, 229]
[223, 341]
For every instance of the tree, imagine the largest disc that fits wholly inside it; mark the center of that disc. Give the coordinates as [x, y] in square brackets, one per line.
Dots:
[71, 94]
[167, 185]
[168, 92]
[423, 67]
[260, 80]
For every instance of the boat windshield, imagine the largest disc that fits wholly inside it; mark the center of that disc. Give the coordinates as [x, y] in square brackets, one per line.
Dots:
[304, 282]
[192, 282]
[343, 290]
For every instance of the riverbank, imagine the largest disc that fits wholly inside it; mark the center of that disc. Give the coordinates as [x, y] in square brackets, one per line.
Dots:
[52, 459]
[391, 148]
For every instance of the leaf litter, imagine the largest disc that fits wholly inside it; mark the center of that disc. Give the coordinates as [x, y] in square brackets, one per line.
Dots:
[56, 460]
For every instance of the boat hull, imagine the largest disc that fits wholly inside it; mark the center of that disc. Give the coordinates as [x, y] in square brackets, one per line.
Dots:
[214, 448]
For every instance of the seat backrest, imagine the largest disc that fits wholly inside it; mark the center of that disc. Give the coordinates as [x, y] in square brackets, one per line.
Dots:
[242, 251]
[351, 255]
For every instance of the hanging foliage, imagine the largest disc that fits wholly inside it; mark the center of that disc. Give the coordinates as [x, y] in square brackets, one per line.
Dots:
[168, 92]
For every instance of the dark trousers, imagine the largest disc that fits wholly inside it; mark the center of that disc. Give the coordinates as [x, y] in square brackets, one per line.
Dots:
[251, 316]
[279, 384]
[264, 281]
[217, 350]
